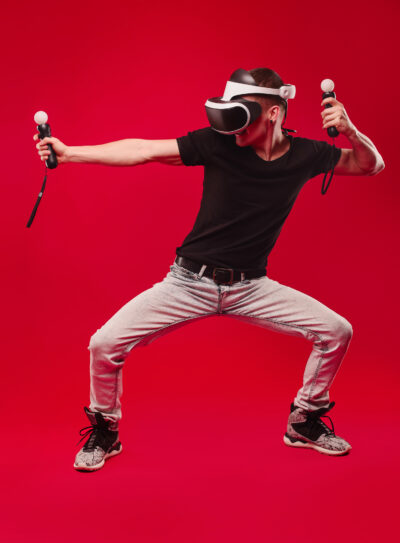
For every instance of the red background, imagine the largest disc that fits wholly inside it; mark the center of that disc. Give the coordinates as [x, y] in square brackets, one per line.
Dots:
[205, 407]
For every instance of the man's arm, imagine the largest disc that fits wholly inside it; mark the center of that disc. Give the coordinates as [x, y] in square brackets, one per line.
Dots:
[128, 152]
[363, 158]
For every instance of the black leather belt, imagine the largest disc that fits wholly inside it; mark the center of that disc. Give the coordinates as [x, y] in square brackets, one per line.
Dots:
[221, 276]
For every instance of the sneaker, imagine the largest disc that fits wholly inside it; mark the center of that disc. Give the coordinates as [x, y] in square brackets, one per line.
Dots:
[306, 429]
[102, 443]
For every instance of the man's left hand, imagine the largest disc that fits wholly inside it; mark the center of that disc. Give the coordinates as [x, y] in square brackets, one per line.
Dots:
[336, 116]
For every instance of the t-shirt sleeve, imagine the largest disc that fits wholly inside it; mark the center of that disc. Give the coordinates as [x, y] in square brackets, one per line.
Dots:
[196, 148]
[324, 157]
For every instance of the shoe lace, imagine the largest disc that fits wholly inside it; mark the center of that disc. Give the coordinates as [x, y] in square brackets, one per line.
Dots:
[315, 417]
[97, 436]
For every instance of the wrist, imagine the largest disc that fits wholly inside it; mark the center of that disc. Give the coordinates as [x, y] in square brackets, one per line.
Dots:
[72, 154]
[67, 155]
[352, 134]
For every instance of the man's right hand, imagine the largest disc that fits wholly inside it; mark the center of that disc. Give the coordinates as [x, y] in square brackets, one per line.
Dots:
[59, 148]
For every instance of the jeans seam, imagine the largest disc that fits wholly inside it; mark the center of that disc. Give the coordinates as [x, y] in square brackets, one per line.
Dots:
[116, 387]
[316, 372]
[171, 324]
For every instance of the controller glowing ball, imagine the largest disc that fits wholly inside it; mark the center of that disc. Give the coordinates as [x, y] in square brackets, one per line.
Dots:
[327, 85]
[40, 117]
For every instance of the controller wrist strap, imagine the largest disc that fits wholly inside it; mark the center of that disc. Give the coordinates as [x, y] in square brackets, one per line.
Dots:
[323, 188]
[38, 200]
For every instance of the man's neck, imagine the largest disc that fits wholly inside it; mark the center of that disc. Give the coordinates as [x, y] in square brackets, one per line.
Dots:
[273, 146]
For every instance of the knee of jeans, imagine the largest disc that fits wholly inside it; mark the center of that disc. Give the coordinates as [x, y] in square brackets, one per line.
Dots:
[100, 342]
[343, 330]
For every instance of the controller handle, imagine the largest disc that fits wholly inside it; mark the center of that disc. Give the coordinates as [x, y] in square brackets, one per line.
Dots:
[327, 86]
[45, 132]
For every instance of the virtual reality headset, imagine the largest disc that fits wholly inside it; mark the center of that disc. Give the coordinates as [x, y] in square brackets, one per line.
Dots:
[231, 114]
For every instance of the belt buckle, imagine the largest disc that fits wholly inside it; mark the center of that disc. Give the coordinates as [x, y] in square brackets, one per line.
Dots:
[215, 271]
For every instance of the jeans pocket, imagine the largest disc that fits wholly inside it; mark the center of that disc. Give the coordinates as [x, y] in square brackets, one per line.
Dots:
[183, 272]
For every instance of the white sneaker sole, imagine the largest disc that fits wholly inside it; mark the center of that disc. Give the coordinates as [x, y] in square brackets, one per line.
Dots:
[84, 467]
[307, 445]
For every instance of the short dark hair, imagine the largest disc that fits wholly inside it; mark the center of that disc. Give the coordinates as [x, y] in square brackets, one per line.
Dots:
[265, 77]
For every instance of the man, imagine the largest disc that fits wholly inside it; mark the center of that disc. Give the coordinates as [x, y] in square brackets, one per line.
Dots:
[251, 181]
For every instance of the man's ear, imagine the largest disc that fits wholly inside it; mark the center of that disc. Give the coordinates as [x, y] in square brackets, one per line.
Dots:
[274, 113]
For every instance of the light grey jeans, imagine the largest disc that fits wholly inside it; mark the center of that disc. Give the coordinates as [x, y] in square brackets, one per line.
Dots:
[183, 296]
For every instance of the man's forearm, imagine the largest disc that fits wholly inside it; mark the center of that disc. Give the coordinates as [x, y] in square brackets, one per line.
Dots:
[128, 152]
[365, 152]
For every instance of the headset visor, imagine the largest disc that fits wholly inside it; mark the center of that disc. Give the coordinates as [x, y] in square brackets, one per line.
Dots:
[231, 117]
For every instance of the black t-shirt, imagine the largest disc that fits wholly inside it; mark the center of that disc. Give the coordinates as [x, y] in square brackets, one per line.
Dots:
[245, 199]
